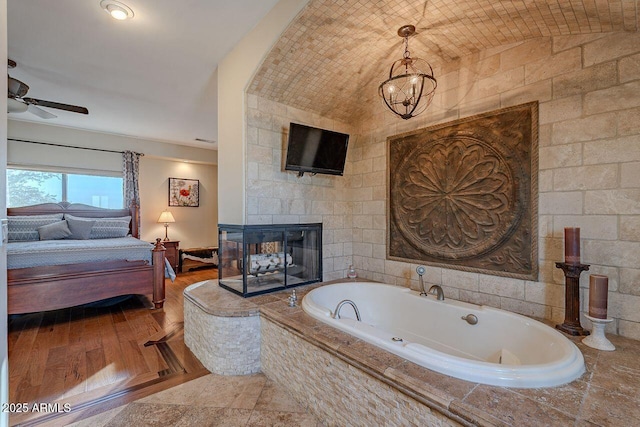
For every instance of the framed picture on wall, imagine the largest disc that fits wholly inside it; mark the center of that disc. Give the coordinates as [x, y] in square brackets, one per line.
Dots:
[184, 192]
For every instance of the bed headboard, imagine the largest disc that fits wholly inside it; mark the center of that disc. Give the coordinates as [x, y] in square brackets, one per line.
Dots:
[78, 209]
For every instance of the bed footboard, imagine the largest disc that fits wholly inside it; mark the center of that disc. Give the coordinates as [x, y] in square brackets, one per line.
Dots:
[46, 288]
[158, 274]
[60, 286]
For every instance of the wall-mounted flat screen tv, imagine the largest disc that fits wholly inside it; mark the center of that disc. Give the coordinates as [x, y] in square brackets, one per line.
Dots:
[315, 150]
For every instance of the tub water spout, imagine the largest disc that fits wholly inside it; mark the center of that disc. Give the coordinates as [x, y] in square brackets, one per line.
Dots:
[437, 291]
[336, 313]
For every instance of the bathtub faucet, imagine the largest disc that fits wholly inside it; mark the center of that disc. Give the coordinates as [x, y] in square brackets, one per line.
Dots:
[437, 291]
[336, 313]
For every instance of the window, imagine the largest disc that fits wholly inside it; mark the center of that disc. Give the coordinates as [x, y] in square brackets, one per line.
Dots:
[30, 187]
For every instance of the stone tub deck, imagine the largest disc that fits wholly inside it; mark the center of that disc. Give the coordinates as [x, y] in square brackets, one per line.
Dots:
[337, 376]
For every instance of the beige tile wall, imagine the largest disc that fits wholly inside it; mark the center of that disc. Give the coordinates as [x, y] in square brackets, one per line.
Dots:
[588, 88]
[278, 197]
[589, 94]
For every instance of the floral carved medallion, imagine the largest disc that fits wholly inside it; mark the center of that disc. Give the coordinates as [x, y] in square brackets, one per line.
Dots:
[460, 194]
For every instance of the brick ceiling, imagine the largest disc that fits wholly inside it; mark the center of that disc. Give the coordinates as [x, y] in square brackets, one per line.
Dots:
[332, 57]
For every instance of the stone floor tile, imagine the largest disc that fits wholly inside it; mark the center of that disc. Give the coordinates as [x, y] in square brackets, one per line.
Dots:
[567, 398]
[182, 394]
[281, 419]
[214, 417]
[148, 414]
[240, 392]
[515, 409]
[626, 355]
[274, 398]
[616, 378]
[610, 408]
[99, 420]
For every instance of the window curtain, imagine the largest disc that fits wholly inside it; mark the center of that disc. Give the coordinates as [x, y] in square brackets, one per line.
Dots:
[131, 173]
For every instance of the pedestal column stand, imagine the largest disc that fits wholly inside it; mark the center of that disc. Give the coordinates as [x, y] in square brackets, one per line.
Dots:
[597, 339]
[571, 323]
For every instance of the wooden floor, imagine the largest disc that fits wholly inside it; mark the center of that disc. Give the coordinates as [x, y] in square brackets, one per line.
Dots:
[97, 358]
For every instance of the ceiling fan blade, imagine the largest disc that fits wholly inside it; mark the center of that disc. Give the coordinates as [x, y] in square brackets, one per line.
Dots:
[51, 104]
[16, 106]
[40, 112]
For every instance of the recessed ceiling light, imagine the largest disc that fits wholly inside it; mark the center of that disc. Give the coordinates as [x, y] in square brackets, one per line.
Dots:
[116, 9]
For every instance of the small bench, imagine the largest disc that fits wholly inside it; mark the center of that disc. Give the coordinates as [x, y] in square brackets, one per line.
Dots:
[197, 259]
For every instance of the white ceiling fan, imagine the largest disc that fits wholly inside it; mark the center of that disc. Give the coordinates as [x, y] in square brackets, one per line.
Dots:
[18, 103]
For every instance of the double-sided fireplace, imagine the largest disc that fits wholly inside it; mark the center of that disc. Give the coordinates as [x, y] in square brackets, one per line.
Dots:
[257, 259]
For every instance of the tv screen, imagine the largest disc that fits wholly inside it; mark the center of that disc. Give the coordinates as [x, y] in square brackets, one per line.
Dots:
[316, 150]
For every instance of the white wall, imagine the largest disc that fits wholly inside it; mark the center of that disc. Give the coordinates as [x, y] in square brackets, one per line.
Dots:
[4, 369]
[234, 74]
[194, 227]
[48, 132]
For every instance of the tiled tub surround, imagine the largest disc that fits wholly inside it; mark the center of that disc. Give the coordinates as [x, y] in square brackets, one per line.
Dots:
[337, 377]
[336, 392]
[588, 89]
[335, 374]
[224, 334]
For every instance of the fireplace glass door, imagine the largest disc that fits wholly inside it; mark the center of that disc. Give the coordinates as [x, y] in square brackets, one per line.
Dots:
[256, 259]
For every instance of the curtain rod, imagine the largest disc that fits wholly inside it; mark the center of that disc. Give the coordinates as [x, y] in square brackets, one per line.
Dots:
[67, 146]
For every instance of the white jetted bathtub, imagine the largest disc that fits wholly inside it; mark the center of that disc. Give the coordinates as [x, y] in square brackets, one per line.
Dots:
[502, 348]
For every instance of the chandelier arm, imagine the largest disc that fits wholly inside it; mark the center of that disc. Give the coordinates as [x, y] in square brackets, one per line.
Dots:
[390, 106]
[419, 98]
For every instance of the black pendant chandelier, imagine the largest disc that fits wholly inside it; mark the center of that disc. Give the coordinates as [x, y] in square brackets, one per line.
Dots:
[411, 84]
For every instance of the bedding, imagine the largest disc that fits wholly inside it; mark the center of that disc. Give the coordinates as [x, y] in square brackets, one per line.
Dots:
[58, 252]
[57, 230]
[80, 229]
[106, 228]
[25, 227]
[102, 258]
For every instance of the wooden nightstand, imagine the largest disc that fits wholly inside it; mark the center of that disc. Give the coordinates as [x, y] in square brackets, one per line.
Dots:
[171, 252]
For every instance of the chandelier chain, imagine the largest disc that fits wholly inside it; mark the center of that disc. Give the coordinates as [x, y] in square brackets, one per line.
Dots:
[407, 54]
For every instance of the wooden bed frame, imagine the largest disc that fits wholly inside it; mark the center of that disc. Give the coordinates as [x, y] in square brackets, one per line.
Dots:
[53, 287]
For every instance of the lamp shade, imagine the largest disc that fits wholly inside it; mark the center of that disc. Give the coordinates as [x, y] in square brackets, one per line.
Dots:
[166, 217]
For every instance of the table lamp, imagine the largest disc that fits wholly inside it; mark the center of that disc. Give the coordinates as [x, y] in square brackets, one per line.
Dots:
[166, 217]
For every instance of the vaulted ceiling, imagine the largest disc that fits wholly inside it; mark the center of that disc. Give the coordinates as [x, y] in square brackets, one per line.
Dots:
[155, 76]
[334, 55]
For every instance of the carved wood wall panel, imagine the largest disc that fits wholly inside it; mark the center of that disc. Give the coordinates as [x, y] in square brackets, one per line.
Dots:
[464, 194]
